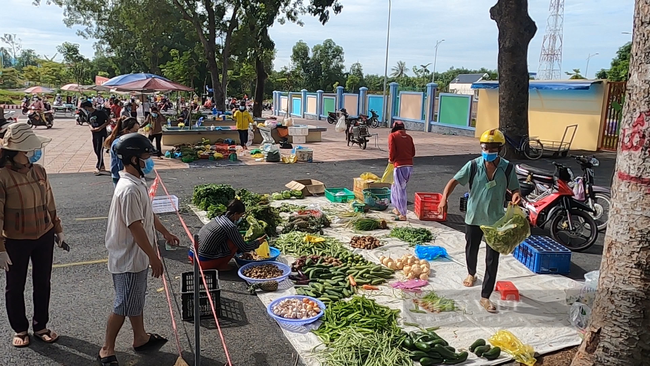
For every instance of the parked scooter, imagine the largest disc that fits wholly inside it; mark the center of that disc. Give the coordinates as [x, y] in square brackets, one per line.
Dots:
[34, 119]
[571, 223]
[357, 133]
[596, 197]
[372, 120]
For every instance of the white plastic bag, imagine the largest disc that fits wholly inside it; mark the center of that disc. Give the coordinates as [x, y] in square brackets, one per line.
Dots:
[579, 315]
[251, 136]
[340, 125]
[288, 122]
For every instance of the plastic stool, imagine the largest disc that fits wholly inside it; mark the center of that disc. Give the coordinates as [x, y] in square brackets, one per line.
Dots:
[507, 290]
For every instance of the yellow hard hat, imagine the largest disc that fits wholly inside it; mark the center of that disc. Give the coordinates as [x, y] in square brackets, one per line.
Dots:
[493, 136]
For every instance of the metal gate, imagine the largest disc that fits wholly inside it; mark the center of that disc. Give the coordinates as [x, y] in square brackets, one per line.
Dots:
[613, 115]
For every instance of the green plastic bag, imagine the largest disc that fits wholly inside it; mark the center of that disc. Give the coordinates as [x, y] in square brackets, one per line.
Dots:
[388, 174]
[511, 230]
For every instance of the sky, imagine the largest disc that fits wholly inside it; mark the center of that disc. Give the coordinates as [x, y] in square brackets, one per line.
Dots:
[470, 36]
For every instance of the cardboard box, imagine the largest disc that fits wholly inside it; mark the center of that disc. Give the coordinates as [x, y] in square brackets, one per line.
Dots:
[360, 185]
[309, 187]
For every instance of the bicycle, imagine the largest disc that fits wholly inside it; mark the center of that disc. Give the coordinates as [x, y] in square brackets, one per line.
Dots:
[531, 149]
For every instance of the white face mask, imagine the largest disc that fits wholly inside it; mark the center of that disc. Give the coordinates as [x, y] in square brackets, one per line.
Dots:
[242, 108]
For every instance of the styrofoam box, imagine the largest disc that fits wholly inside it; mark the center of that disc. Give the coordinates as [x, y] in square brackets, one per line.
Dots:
[162, 204]
[298, 130]
[299, 139]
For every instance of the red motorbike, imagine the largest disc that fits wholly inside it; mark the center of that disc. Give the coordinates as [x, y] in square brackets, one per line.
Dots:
[571, 222]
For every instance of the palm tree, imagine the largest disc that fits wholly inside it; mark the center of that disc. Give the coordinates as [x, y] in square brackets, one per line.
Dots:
[575, 74]
[399, 70]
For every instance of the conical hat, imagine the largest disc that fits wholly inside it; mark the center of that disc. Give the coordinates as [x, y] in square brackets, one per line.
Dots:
[20, 137]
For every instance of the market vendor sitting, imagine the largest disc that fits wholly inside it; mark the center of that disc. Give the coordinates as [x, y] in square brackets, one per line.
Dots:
[220, 240]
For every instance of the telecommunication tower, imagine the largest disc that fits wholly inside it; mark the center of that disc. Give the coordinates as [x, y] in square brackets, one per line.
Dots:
[550, 59]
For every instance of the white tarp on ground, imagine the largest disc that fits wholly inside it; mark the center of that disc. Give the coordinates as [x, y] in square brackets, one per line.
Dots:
[540, 318]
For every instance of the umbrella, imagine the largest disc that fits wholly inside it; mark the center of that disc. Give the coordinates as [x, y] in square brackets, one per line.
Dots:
[128, 78]
[95, 88]
[72, 87]
[153, 84]
[38, 89]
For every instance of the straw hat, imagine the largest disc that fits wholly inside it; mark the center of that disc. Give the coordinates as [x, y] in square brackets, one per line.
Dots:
[20, 137]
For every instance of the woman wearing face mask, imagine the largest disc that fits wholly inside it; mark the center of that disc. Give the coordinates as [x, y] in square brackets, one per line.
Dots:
[30, 227]
[220, 240]
[243, 119]
[155, 121]
[488, 177]
[123, 126]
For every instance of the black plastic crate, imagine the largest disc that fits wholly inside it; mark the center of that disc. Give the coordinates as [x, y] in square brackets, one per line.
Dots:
[211, 277]
[187, 300]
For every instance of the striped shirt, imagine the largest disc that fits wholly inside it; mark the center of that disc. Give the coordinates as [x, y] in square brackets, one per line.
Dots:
[214, 236]
[27, 207]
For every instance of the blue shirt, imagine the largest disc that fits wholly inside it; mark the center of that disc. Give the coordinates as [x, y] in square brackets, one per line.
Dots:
[486, 198]
[116, 163]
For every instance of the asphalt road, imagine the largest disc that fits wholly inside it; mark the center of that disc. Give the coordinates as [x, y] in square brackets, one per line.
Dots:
[82, 290]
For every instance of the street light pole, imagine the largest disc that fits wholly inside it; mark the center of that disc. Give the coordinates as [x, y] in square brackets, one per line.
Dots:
[587, 68]
[385, 102]
[435, 60]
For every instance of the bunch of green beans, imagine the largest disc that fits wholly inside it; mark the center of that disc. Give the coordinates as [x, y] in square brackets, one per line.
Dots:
[355, 348]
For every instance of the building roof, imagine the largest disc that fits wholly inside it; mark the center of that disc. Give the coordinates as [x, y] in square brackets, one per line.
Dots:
[544, 84]
[467, 78]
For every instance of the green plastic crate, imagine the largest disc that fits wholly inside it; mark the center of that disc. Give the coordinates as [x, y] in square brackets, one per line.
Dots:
[335, 195]
[377, 198]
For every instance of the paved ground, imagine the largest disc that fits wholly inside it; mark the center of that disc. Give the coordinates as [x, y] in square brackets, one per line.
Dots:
[82, 288]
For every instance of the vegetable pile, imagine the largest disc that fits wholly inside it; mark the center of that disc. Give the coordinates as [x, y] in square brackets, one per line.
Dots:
[296, 309]
[365, 242]
[300, 262]
[297, 243]
[369, 224]
[213, 198]
[481, 349]
[263, 271]
[410, 265]
[285, 195]
[506, 236]
[256, 229]
[355, 348]
[434, 303]
[428, 348]
[411, 235]
[307, 223]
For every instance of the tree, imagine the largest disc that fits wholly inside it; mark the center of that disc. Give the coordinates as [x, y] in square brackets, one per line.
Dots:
[183, 68]
[619, 332]
[78, 65]
[619, 68]
[575, 74]
[516, 30]
[27, 58]
[352, 83]
[400, 70]
[320, 70]
[10, 78]
[32, 74]
[7, 59]
[13, 43]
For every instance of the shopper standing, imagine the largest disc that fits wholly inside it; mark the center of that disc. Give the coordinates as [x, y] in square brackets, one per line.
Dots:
[131, 244]
[30, 227]
[401, 151]
[243, 120]
[489, 177]
[155, 122]
[98, 121]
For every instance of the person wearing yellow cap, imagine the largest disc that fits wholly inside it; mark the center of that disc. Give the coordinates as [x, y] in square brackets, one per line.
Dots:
[488, 176]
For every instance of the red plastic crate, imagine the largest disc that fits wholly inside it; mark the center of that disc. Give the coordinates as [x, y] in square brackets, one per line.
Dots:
[426, 207]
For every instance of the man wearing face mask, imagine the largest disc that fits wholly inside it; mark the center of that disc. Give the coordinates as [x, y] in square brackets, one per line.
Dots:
[489, 177]
[98, 120]
[243, 119]
[131, 240]
[155, 122]
[220, 240]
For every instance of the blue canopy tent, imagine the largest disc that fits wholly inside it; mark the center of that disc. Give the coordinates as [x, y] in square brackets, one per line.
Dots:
[129, 78]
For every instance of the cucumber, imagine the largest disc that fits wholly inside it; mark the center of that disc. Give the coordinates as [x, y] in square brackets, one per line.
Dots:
[428, 361]
[408, 343]
[441, 342]
[445, 353]
[377, 281]
[416, 355]
[450, 348]
[459, 358]
[477, 343]
[423, 346]
[479, 351]
[492, 354]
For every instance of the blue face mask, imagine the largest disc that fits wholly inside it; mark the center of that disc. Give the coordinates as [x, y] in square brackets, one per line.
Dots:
[148, 166]
[489, 157]
[239, 220]
[154, 115]
[35, 155]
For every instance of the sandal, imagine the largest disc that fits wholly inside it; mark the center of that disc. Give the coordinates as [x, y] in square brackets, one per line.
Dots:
[108, 360]
[155, 340]
[469, 281]
[47, 336]
[488, 305]
[20, 340]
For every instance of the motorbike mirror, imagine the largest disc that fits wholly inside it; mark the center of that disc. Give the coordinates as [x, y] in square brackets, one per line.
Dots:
[595, 162]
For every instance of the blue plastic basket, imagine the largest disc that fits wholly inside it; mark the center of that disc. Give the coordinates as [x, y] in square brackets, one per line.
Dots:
[542, 255]
[275, 253]
[295, 325]
[286, 271]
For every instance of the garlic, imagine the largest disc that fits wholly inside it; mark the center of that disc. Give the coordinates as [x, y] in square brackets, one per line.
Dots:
[424, 276]
[424, 261]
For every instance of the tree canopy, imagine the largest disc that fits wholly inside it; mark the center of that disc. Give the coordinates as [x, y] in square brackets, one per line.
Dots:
[619, 69]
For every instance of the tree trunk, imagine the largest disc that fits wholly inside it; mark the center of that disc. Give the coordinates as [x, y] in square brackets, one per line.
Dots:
[219, 99]
[619, 333]
[227, 45]
[516, 30]
[260, 79]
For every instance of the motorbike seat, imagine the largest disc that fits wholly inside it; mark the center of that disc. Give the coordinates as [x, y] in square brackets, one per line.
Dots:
[538, 173]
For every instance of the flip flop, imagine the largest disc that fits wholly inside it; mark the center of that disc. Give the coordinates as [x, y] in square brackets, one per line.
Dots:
[48, 333]
[155, 340]
[488, 306]
[471, 281]
[108, 361]
[24, 339]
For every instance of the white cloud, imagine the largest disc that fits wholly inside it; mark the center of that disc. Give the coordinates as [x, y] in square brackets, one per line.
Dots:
[470, 35]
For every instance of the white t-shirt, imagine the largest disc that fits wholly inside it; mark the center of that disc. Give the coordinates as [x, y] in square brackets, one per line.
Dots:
[130, 203]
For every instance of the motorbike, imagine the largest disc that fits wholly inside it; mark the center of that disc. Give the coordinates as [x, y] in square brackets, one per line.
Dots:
[571, 222]
[24, 107]
[81, 116]
[357, 133]
[34, 119]
[9, 116]
[372, 120]
[596, 197]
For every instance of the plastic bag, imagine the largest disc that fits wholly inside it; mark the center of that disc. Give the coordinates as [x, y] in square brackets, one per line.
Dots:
[429, 252]
[289, 159]
[251, 136]
[579, 190]
[579, 315]
[388, 174]
[510, 344]
[369, 176]
[340, 125]
[511, 230]
[288, 122]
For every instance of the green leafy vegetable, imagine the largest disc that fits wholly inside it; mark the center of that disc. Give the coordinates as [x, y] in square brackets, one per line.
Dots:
[255, 230]
[207, 195]
[413, 236]
[507, 233]
[369, 224]
[434, 303]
